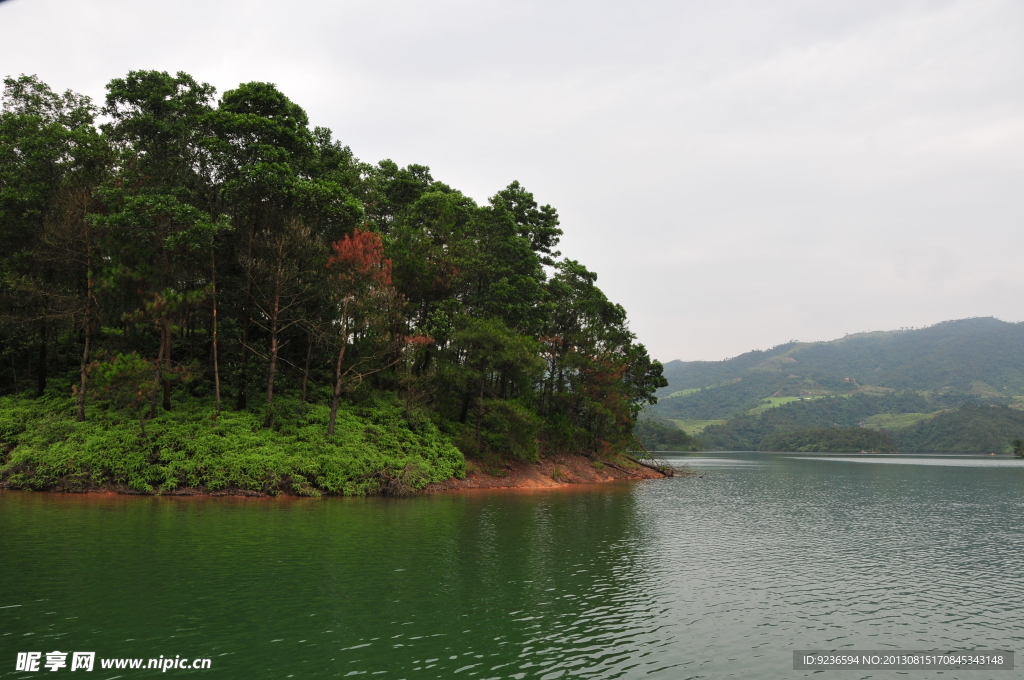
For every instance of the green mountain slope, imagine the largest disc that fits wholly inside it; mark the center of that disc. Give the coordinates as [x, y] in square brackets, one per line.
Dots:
[909, 383]
[750, 392]
[969, 429]
[951, 354]
[747, 432]
[683, 375]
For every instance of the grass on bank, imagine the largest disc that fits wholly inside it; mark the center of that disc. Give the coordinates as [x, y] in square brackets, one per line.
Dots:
[683, 393]
[896, 421]
[694, 427]
[378, 447]
[775, 402]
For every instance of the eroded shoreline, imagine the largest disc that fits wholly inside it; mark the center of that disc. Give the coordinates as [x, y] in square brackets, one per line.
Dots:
[554, 472]
[550, 473]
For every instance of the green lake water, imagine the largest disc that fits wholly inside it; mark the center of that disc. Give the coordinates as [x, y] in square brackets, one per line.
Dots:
[715, 576]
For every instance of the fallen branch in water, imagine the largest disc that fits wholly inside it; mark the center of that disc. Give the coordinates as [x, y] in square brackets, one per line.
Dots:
[656, 465]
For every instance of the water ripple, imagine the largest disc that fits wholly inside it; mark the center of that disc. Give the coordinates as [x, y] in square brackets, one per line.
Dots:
[713, 576]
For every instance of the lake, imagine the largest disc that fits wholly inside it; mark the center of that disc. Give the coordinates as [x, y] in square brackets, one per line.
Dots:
[717, 575]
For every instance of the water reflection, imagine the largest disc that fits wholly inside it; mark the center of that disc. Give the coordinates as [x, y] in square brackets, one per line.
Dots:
[503, 585]
[720, 574]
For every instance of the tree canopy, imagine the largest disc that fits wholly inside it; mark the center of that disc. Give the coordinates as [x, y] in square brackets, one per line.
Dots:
[223, 248]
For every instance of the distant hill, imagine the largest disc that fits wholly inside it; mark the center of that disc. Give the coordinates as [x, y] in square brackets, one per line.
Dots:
[907, 383]
[951, 354]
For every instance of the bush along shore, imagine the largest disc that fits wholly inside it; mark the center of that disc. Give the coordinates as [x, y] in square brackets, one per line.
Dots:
[377, 448]
[208, 293]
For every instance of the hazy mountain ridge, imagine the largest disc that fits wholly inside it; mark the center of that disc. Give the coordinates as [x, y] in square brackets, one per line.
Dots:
[910, 383]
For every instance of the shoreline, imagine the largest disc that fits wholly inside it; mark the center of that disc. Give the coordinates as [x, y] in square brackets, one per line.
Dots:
[556, 472]
[559, 471]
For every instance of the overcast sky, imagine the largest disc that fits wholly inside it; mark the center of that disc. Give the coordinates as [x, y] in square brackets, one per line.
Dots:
[739, 174]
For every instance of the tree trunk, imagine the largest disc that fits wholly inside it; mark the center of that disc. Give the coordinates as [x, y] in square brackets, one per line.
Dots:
[167, 365]
[41, 368]
[165, 328]
[305, 374]
[268, 417]
[159, 376]
[216, 358]
[82, 377]
[337, 390]
[337, 369]
[480, 415]
[241, 400]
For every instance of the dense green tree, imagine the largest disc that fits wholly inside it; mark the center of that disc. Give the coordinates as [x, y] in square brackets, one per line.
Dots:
[51, 159]
[494, 369]
[190, 238]
[158, 126]
[596, 377]
[539, 225]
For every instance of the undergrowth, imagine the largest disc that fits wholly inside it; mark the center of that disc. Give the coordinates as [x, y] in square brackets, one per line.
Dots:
[377, 448]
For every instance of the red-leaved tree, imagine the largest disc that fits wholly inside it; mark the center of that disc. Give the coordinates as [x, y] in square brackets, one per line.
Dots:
[366, 306]
[359, 260]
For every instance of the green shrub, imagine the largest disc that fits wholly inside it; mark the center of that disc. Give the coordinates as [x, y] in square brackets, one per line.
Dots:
[507, 431]
[375, 449]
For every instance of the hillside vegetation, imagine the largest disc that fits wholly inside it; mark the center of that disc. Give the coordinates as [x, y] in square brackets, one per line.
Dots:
[376, 448]
[831, 440]
[953, 387]
[952, 355]
[203, 291]
[659, 434]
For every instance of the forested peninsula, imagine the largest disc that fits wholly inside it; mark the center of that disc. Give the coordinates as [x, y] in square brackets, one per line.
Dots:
[210, 293]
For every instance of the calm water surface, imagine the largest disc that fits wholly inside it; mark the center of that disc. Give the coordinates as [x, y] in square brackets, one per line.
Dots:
[719, 576]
